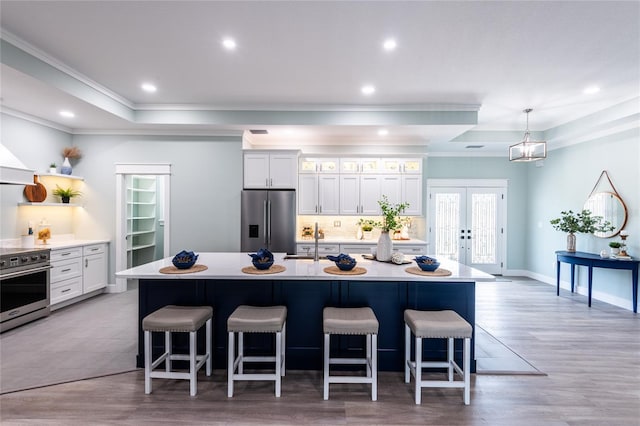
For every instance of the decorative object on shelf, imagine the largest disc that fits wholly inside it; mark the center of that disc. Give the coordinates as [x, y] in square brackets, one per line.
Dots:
[184, 259]
[44, 231]
[581, 222]
[66, 194]
[366, 227]
[606, 202]
[262, 259]
[623, 246]
[70, 152]
[307, 232]
[35, 193]
[344, 262]
[390, 222]
[52, 168]
[427, 263]
[604, 254]
[528, 150]
[615, 247]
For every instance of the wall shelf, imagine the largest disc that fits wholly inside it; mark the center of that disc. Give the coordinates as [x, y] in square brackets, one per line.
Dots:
[60, 175]
[26, 203]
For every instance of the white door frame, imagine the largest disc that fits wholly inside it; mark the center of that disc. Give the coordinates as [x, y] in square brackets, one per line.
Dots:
[122, 170]
[476, 183]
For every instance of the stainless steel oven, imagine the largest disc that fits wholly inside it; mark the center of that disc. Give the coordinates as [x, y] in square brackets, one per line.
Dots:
[24, 286]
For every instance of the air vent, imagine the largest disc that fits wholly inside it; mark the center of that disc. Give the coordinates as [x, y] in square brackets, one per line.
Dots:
[258, 132]
[474, 146]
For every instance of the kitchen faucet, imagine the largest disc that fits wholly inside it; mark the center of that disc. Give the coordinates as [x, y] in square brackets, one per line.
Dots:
[316, 237]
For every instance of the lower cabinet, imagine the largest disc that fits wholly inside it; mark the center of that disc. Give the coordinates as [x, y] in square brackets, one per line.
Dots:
[77, 271]
[323, 249]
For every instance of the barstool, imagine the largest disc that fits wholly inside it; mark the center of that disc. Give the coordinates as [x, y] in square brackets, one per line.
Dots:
[351, 321]
[177, 319]
[254, 319]
[437, 325]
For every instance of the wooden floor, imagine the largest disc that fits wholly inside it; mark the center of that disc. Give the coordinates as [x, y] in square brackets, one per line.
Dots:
[591, 357]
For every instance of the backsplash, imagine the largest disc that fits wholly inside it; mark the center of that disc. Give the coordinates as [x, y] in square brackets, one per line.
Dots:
[348, 226]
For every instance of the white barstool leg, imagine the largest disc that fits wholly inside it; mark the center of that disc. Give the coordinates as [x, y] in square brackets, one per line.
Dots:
[147, 362]
[467, 370]
[374, 366]
[326, 365]
[208, 352]
[192, 363]
[168, 348]
[407, 353]
[230, 365]
[241, 352]
[278, 359]
[450, 353]
[368, 354]
[418, 370]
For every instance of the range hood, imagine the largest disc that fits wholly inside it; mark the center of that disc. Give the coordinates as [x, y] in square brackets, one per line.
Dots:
[12, 171]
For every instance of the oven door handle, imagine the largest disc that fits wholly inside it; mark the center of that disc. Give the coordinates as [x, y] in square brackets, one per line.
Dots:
[26, 272]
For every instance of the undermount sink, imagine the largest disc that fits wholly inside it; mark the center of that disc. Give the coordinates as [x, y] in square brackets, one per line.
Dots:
[301, 256]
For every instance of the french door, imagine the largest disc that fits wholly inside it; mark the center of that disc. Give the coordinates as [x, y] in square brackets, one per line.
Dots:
[466, 223]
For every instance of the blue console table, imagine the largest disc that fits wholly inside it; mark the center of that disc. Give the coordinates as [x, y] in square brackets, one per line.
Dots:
[593, 260]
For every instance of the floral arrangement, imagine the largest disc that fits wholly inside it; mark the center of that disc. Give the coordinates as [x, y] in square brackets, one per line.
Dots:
[71, 152]
[390, 214]
[581, 222]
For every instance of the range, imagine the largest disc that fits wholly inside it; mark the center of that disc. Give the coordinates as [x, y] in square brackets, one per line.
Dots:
[24, 285]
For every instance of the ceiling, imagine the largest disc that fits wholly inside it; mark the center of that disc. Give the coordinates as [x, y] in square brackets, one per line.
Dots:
[299, 66]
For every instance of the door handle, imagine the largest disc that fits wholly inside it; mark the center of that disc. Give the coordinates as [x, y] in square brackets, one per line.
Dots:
[269, 222]
[265, 218]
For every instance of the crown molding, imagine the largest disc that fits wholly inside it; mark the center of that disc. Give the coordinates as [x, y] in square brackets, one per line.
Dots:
[33, 119]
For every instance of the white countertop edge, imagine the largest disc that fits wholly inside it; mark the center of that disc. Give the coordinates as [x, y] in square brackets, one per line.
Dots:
[355, 242]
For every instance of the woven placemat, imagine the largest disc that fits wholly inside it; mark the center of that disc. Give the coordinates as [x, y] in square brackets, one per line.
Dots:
[337, 271]
[255, 271]
[173, 270]
[437, 273]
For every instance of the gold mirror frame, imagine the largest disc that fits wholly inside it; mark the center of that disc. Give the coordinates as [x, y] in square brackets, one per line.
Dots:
[609, 206]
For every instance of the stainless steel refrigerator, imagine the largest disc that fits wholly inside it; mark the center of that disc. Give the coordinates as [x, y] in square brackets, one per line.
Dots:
[268, 220]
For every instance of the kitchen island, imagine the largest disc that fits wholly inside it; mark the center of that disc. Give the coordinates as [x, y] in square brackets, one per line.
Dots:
[305, 288]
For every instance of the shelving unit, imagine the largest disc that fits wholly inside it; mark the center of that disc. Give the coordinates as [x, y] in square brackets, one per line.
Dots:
[44, 204]
[141, 219]
[50, 189]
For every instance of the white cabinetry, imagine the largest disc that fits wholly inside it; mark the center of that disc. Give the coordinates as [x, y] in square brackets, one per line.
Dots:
[77, 271]
[270, 170]
[400, 165]
[319, 194]
[318, 165]
[94, 274]
[359, 194]
[323, 249]
[412, 193]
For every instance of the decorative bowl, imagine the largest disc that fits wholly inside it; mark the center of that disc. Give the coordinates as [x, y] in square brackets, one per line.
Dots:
[184, 259]
[427, 263]
[344, 262]
[262, 260]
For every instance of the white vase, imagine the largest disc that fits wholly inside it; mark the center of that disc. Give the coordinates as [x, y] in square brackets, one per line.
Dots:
[571, 242]
[359, 234]
[385, 247]
[66, 167]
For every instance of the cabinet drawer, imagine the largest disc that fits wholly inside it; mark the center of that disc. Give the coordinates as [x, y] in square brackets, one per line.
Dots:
[411, 250]
[66, 253]
[93, 249]
[64, 290]
[323, 249]
[356, 248]
[65, 269]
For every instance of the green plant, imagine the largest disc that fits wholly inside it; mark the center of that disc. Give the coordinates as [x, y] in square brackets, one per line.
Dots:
[615, 244]
[66, 192]
[390, 214]
[367, 224]
[52, 165]
[581, 222]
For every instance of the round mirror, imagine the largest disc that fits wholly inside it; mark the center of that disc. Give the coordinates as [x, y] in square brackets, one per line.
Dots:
[611, 208]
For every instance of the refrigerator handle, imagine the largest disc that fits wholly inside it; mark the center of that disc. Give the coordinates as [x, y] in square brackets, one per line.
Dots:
[268, 242]
[265, 221]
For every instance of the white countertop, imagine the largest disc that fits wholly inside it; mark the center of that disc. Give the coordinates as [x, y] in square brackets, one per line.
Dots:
[373, 241]
[229, 266]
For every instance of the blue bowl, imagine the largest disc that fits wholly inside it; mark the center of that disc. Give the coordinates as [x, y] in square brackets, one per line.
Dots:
[427, 263]
[344, 262]
[184, 259]
[262, 260]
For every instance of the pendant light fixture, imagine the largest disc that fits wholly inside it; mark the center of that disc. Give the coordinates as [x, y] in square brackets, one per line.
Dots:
[528, 150]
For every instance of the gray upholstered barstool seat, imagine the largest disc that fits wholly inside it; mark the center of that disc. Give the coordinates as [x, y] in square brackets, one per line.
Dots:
[437, 325]
[351, 321]
[177, 319]
[256, 319]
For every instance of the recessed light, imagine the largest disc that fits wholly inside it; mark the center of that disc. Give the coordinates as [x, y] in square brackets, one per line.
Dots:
[383, 132]
[67, 114]
[229, 43]
[591, 90]
[368, 89]
[389, 44]
[148, 87]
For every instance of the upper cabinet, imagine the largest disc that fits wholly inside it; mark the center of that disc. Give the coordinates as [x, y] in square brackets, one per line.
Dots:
[270, 169]
[400, 165]
[359, 165]
[318, 165]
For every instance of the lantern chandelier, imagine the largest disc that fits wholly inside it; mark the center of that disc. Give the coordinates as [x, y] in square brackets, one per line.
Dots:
[528, 150]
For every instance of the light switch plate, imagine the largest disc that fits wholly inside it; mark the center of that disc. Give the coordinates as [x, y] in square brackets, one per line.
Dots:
[337, 224]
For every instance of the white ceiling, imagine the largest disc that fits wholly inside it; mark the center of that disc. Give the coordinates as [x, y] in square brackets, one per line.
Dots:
[494, 57]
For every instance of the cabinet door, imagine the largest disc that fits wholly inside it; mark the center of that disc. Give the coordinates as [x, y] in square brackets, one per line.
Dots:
[412, 194]
[308, 194]
[349, 194]
[283, 170]
[391, 186]
[369, 195]
[329, 194]
[256, 170]
[94, 275]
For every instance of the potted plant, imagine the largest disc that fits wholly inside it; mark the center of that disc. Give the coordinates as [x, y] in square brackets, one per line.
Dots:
[367, 227]
[52, 168]
[615, 247]
[66, 194]
[390, 222]
[582, 222]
